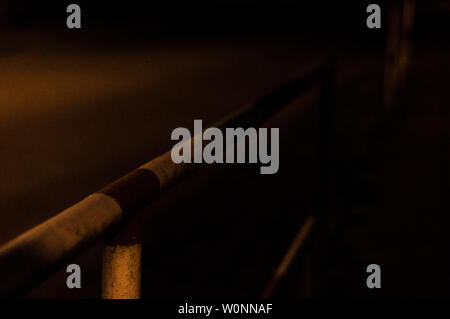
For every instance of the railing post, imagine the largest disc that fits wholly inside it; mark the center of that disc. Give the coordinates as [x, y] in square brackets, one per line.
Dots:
[398, 48]
[405, 49]
[325, 138]
[324, 155]
[121, 271]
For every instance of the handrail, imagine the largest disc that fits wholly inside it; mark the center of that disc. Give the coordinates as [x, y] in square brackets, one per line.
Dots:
[40, 251]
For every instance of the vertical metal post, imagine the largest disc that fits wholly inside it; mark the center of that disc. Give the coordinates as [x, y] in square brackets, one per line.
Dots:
[323, 161]
[405, 49]
[398, 47]
[392, 48]
[325, 138]
[121, 272]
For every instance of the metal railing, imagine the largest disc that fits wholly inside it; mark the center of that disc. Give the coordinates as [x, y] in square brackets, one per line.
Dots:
[33, 256]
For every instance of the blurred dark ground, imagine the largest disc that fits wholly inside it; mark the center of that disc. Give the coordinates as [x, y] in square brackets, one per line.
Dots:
[80, 108]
